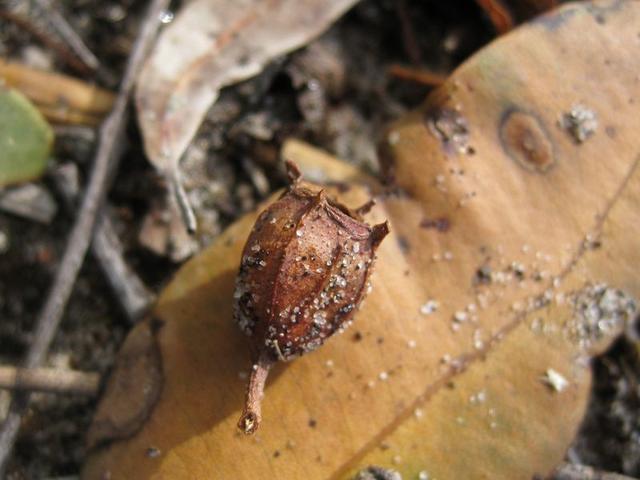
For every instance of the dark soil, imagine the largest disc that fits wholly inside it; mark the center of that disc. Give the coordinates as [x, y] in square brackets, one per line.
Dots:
[340, 106]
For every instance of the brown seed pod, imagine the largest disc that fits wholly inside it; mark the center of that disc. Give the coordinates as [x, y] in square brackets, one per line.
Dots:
[304, 272]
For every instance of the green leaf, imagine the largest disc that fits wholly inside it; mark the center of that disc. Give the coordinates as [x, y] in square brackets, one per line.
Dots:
[25, 139]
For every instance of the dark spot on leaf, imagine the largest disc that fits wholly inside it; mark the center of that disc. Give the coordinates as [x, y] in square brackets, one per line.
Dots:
[441, 224]
[610, 131]
[342, 187]
[526, 141]
[451, 128]
[403, 243]
[386, 160]
[313, 423]
[276, 454]
[357, 337]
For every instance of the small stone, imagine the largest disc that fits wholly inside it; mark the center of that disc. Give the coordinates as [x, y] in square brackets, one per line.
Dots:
[30, 201]
[555, 380]
[429, 307]
[153, 452]
[166, 16]
[460, 316]
[581, 122]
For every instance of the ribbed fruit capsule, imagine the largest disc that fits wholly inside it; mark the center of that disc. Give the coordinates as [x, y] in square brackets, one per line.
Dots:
[304, 272]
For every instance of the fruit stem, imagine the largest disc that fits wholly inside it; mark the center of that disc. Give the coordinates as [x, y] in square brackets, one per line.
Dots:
[251, 415]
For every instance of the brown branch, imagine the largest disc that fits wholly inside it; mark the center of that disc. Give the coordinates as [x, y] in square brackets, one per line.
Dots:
[411, 46]
[109, 138]
[417, 75]
[252, 413]
[49, 380]
[498, 14]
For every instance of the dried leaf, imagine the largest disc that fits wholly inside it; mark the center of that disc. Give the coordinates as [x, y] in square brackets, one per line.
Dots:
[211, 44]
[59, 98]
[25, 139]
[529, 274]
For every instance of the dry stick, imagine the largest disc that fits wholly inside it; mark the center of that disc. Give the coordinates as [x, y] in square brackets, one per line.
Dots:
[418, 75]
[411, 46]
[59, 48]
[569, 471]
[49, 380]
[182, 200]
[130, 291]
[68, 34]
[109, 138]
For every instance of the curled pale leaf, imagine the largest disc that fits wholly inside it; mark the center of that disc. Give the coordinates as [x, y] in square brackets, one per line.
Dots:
[211, 44]
[513, 252]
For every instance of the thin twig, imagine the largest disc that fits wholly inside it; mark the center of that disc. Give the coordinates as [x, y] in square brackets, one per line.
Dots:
[498, 14]
[61, 50]
[78, 243]
[68, 34]
[182, 200]
[411, 46]
[418, 75]
[130, 291]
[570, 471]
[49, 380]
[252, 413]
[134, 297]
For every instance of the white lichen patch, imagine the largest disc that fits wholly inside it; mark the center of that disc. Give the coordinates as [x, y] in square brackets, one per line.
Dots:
[581, 122]
[599, 311]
